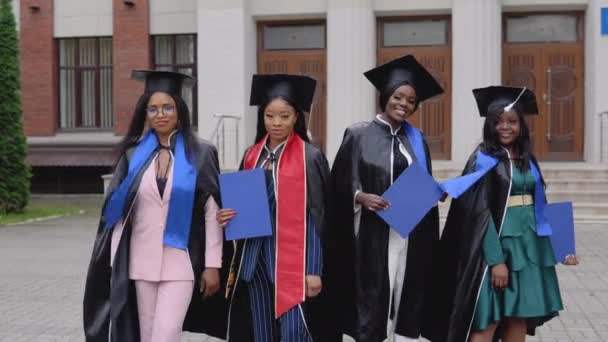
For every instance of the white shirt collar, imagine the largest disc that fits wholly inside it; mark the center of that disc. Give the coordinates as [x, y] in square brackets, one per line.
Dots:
[275, 149]
[393, 132]
[402, 149]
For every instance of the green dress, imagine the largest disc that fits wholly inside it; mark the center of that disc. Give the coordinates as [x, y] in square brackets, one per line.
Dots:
[533, 290]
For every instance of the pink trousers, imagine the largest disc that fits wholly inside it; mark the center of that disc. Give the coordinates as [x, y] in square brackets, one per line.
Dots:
[162, 309]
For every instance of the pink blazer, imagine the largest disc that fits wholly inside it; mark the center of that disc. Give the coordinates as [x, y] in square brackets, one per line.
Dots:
[151, 261]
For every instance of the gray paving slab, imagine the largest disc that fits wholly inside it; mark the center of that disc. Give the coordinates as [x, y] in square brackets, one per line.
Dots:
[43, 266]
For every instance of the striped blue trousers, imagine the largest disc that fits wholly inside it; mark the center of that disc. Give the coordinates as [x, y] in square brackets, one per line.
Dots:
[291, 325]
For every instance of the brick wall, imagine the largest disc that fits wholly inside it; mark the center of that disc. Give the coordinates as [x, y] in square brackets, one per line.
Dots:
[38, 68]
[131, 51]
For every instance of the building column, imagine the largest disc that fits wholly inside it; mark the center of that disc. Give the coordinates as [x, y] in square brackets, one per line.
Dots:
[477, 50]
[131, 50]
[38, 62]
[351, 50]
[596, 101]
[226, 63]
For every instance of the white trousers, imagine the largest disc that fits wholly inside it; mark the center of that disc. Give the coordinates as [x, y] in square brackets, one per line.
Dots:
[397, 257]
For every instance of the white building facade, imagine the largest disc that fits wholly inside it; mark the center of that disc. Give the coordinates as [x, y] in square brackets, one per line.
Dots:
[554, 47]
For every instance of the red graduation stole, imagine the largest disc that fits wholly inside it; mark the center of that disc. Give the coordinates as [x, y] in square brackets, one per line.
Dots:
[290, 250]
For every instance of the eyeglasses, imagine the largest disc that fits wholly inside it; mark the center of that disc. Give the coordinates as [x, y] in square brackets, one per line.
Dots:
[167, 109]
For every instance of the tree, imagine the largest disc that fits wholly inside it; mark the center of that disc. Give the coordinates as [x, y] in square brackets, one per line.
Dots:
[14, 172]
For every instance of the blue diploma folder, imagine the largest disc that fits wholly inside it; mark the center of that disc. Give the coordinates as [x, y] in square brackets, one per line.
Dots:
[561, 220]
[245, 192]
[411, 196]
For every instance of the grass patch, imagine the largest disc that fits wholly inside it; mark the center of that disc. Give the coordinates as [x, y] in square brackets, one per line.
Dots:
[31, 213]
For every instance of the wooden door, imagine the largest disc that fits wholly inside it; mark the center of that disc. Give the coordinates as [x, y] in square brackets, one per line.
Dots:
[522, 67]
[554, 71]
[299, 61]
[433, 116]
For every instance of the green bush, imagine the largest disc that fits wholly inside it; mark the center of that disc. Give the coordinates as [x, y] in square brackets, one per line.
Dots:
[14, 172]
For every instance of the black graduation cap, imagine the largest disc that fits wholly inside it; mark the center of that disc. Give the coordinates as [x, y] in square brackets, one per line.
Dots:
[294, 88]
[520, 97]
[404, 69]
[163, 81]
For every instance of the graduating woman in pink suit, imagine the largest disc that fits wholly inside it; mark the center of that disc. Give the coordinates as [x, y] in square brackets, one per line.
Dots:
[158, 250]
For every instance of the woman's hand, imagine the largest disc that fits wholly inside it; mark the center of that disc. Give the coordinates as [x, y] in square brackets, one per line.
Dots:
[210, 282]
[571, 260]
[224, 216]
[500, 276]
[371, 202]
[313, 286]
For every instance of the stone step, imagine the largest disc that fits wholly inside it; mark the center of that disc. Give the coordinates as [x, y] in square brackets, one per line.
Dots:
[579, 220]
[590, 209]
[592, 219]
[585, 184]
[562, 175]
[575, 171]
[444, 170]
[583, 211]
[443, 174]
[578, 196]
[577, 184]
[570, 184]
[573, 174]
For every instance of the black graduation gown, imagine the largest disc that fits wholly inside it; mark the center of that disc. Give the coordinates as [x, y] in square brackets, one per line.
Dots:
[315, 309]
[461, 265]
[357, 267]
[109, 298]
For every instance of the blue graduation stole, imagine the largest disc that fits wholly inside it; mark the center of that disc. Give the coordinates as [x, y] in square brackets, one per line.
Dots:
[415, 138]
[458, 185]
[179, 218]
[483, 165]
[543, 228]
[455, 186]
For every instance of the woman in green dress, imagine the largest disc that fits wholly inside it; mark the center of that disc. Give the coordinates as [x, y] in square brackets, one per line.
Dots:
[498, 276]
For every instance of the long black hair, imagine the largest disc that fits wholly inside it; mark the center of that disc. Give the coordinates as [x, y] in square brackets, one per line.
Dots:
[491, 144]
[138, 122]
[299, 127]
[387, 92]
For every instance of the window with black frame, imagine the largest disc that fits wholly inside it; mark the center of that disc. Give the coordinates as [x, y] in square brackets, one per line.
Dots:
[178, 53]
